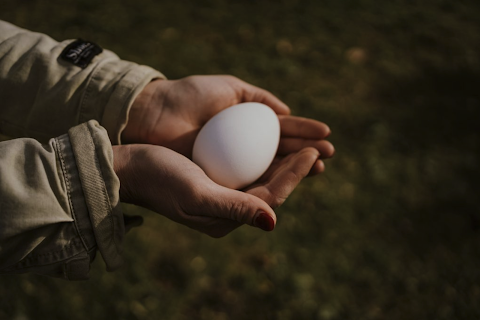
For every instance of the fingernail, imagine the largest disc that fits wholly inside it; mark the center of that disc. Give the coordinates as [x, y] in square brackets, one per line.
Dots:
[264, 221]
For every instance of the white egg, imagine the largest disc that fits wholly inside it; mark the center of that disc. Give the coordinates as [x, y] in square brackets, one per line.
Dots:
[238, 144]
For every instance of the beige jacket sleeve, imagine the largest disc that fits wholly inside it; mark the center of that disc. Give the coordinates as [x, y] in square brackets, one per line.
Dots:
[59, 199]
[59, 204]
[42, 95]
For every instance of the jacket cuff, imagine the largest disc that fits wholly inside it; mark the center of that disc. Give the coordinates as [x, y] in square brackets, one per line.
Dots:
[100, 186]
[120, 81]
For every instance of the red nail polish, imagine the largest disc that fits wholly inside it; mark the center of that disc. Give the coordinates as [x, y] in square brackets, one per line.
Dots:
[264, 222]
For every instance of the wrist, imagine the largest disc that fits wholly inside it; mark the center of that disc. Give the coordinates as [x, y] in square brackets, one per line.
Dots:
[122, 159]
[144, 110]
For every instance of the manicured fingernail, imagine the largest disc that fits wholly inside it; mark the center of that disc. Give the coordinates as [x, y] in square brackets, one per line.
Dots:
[264, 221]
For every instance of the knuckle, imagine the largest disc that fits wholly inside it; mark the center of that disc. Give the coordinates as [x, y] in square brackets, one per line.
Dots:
[277, 202]
[237, 211]
[231, 78]
[276, 198]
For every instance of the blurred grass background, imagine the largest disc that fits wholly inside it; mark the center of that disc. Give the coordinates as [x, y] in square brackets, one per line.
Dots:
[390, 231]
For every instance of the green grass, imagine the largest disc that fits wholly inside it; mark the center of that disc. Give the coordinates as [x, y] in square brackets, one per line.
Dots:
[390, 231]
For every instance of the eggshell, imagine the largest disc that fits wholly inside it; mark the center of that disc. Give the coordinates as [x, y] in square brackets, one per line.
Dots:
[238, 144]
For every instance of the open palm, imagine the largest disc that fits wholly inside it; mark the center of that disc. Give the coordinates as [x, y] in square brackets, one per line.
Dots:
[171, 113]
[168, 183]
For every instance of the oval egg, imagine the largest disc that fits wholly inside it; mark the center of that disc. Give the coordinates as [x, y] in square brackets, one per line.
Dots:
[238, 144]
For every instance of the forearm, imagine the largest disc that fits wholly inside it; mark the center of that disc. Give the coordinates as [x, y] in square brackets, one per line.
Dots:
[43, 95]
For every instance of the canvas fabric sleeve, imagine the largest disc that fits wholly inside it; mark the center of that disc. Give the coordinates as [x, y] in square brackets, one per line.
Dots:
[59, 204]
[43, 95]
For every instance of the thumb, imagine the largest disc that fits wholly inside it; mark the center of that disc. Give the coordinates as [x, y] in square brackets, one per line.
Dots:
[241, 207]
[251, 93]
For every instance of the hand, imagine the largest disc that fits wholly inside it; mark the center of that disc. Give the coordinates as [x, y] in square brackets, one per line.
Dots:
[170, 184]
[171, 113]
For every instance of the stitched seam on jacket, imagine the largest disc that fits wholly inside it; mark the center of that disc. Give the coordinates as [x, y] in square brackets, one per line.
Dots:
[75, 241]
[22, 128]
[28, 263]
[67, 184]
[127, 102]
[106, 198]
[86, 95]
[101, 215]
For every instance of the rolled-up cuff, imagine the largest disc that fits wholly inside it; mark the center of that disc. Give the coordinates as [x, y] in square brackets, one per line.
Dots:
[121, 81]
[100, 185]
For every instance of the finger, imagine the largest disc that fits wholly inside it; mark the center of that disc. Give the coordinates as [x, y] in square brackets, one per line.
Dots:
[317, 168]
[243, 208]
[298, 127]
[290, 145]
[286, 177]
[275, 166]
[255, 94]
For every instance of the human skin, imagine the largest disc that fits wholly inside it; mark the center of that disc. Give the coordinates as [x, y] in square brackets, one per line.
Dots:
[168, 115]
[169, 183]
